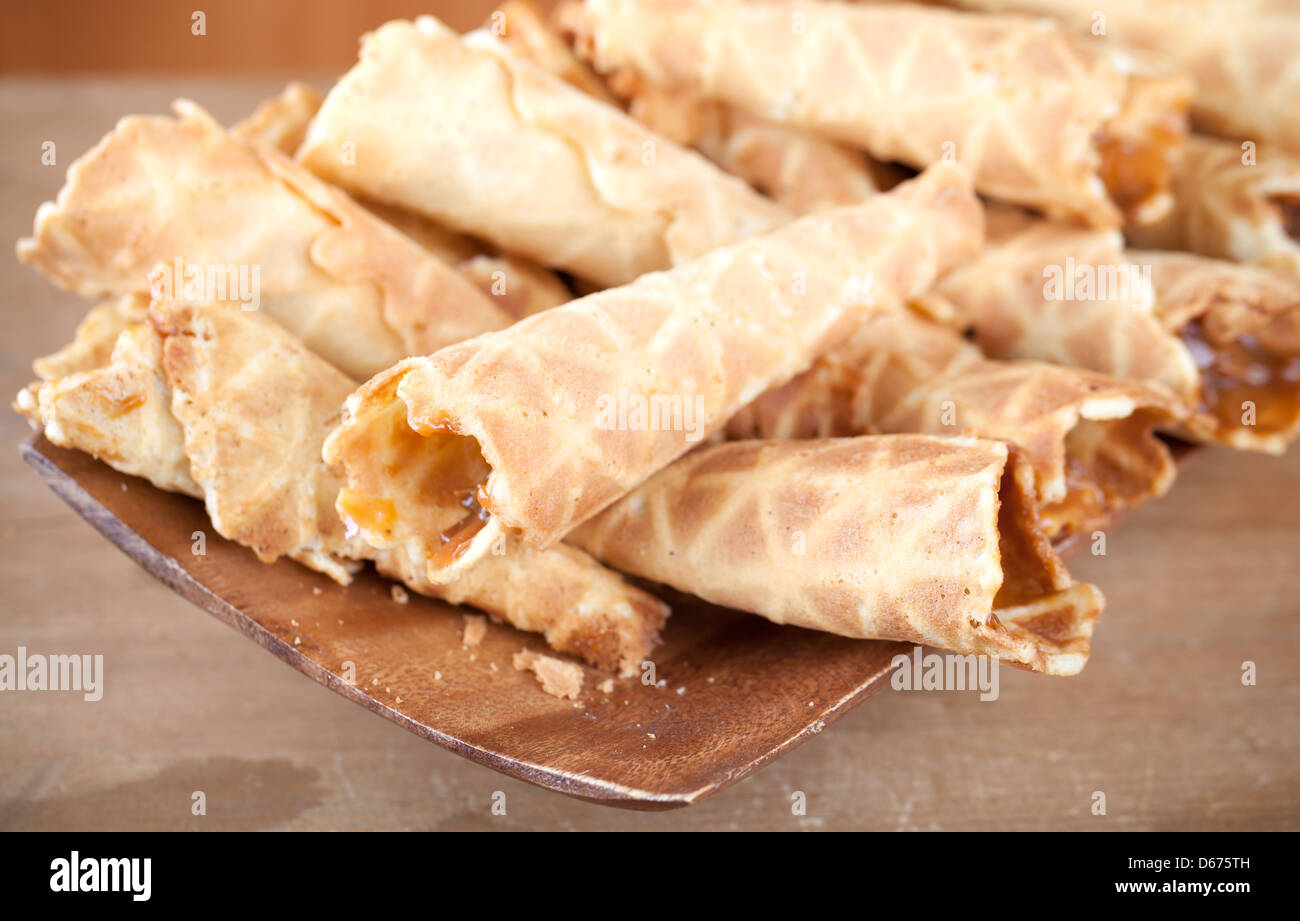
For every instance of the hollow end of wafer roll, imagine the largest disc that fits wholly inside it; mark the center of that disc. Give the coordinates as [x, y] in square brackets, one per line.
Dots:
[1113, 461]
[409, 478]
[1241, 325]
[1047, 617]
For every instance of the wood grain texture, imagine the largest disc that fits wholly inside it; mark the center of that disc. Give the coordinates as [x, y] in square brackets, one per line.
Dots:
[1159, 720]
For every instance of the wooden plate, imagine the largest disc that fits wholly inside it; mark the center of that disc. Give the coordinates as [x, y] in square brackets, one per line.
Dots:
[736, 691]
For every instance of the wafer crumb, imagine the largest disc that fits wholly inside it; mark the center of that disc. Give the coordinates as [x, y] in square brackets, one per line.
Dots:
[475, 630]
[399, 594]
[557, 677]
[316, 590]
[607, 686]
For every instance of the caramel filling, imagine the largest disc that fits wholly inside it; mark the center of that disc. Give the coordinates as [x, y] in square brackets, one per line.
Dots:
[1134, 172]
[1288, 212]
[1086, 502]
[428, 485]
[1029, 567]
[1137, 147]
[376, 517]
[1242, 371]
[1110, 465]
[456, 539]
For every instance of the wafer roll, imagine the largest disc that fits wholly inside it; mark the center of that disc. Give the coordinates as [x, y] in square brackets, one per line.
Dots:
[1089, 439]
[224, 405]
[798, 169]
[248, 223]
[518, 286]
[537, 428]
[1241, 53]
[472, 136]
[119, 412]
[900, 537]
[1232, 201]
[1039, 116]
[1218, 336]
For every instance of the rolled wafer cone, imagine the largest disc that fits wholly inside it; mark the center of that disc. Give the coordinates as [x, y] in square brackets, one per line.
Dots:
[476, 138]
[901, 537]
[538, 427]
[119, 412]
[1241, 54]
[1088, 438]
[518, 286]
[798, 169]
[1039, 116]
[248, 223]
[1218, 336]
[1237, 201]
[224, 405]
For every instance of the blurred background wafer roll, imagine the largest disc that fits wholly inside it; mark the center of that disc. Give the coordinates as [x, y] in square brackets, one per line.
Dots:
[1220, 337]
[1232, 200]
[901, 537]
[1089, 439]
[798, 169]
[536, 428]
[224, 405]
[177, 207]
[482, 140]
[1040, 116]
[1241, 53]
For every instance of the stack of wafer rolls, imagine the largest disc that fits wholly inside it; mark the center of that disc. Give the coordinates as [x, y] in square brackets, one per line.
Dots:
[1219, 336]
[872, 413]
[1040, 117]
[224, 405]
[522, 431]
[1240, 52]
[461, 130]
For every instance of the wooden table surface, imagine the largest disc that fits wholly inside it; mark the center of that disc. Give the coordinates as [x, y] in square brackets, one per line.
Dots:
[1160, 722]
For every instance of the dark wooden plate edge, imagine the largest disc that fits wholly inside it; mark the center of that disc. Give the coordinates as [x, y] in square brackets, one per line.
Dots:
[168, 571]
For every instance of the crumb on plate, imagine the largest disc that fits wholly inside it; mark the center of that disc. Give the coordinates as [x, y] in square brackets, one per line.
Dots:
[557, 677]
